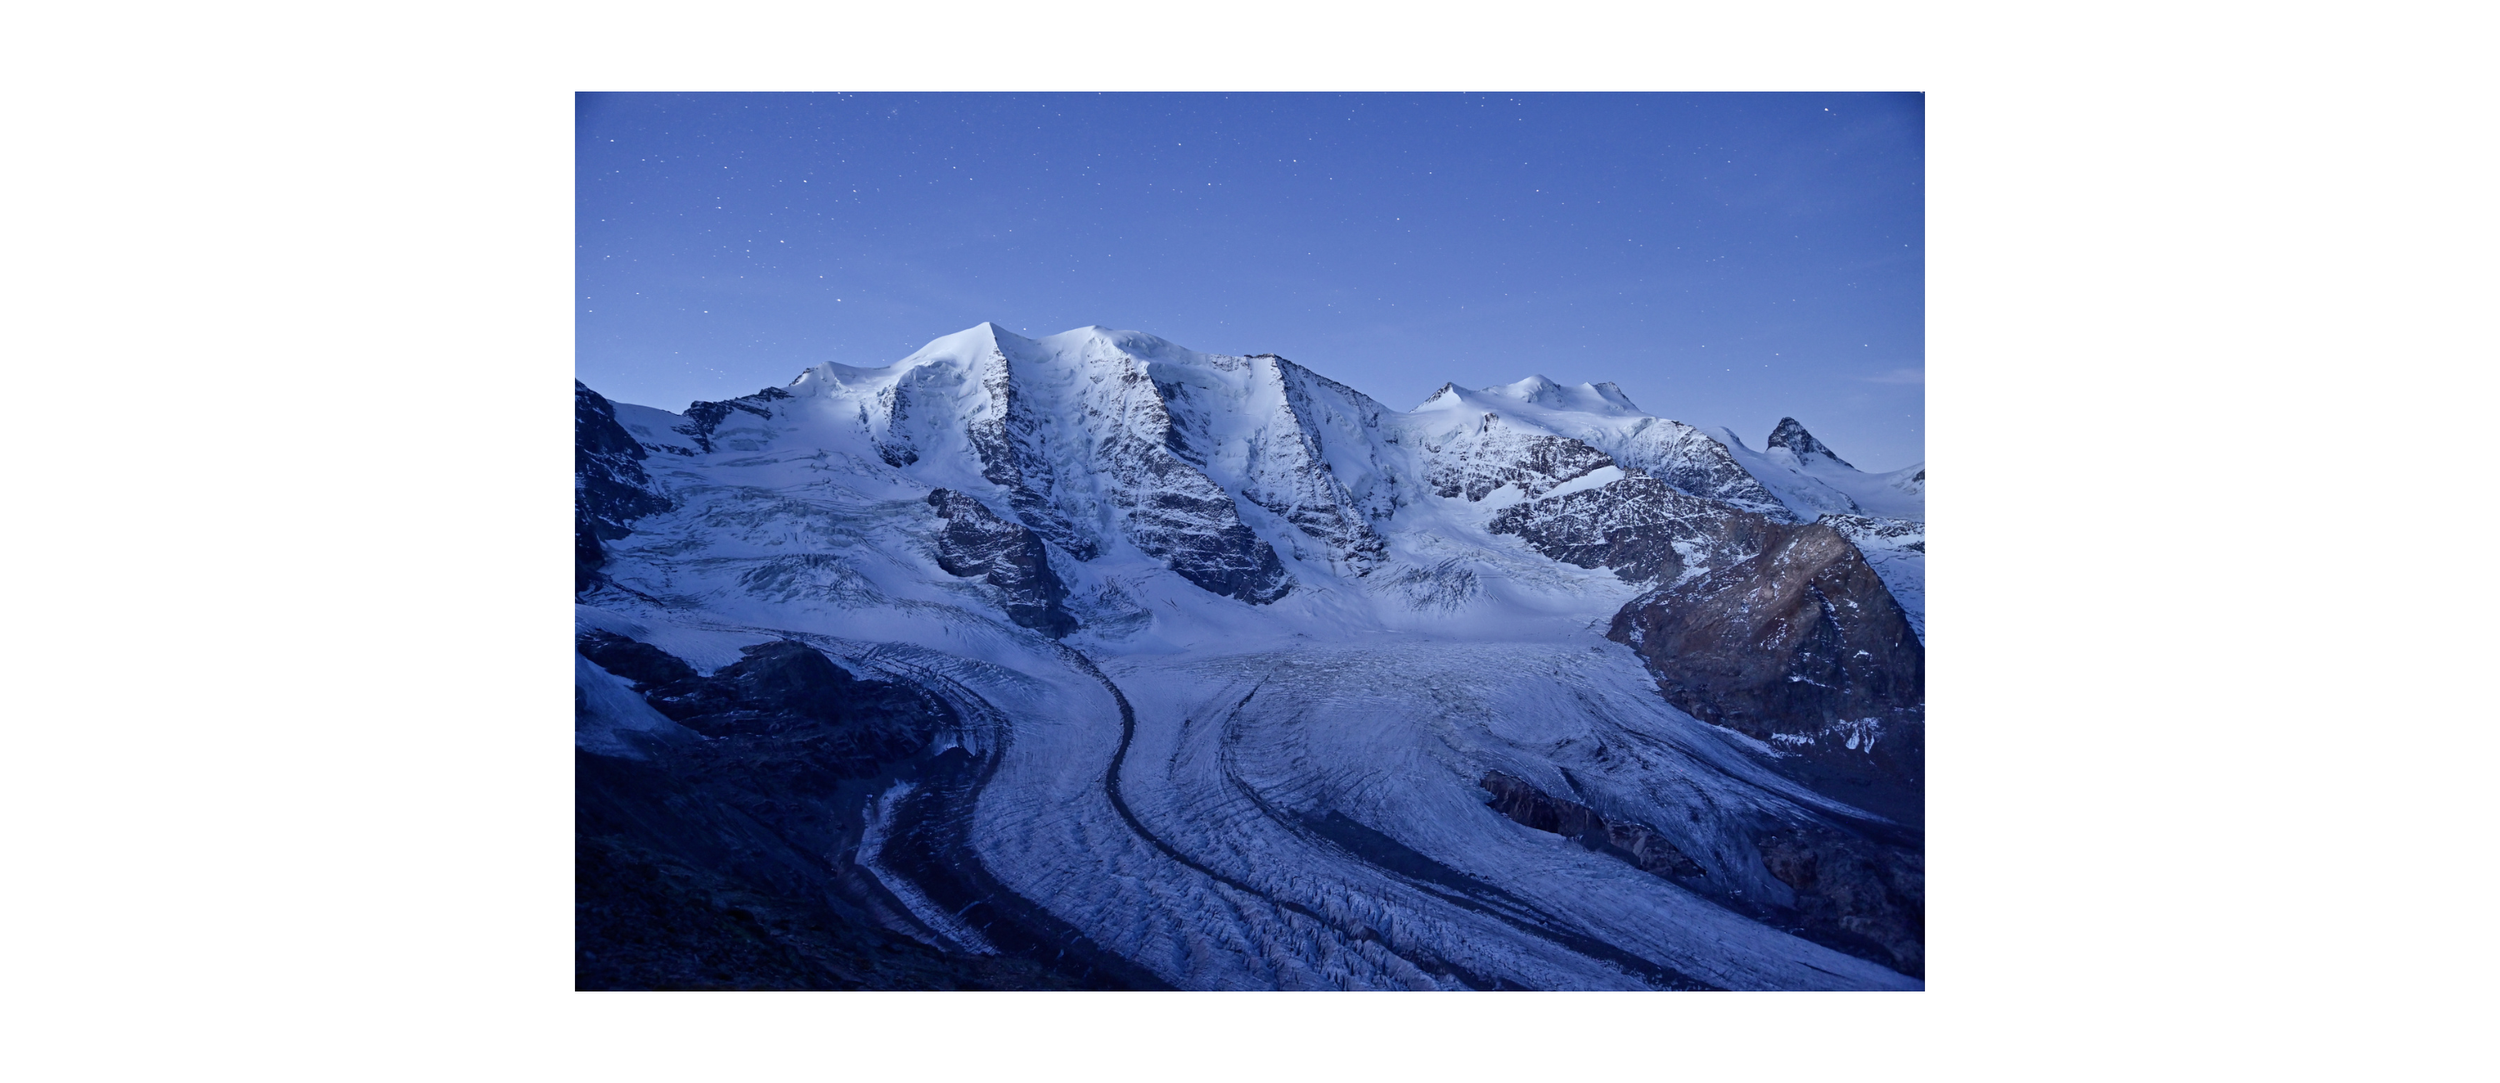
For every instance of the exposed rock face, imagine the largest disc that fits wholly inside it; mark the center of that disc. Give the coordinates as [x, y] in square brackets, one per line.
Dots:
[1475, 459]
[1873, 532]
[1641, 527]
[1897, 549]
[1012, 441]
[1006, 555]
[1176, 514]
[1125, 465]
[610, 487]
[1799, 442]
[1283, 463]
[1630, 843]
[708, 416]
[894, 444]
[785, 690]
[1853, 889]
[1802, 647]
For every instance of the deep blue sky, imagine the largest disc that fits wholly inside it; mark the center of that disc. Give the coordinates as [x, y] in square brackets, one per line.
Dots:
[1726, 258]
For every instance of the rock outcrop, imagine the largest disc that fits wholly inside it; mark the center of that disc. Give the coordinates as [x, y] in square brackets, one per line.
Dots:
[1854, 893]
[610, 487]
[785, 690]
[1631, 843]
[706, 417]
[1799, 442]
[1875, 532]
[1011, 439]
[1263, 425]
[1476, 457]
[1800, 646]
[1120, 461]
[977, 543]
[1641, 527]
[1690, 460]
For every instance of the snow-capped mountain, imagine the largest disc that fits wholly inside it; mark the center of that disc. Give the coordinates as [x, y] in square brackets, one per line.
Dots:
[1091, 660]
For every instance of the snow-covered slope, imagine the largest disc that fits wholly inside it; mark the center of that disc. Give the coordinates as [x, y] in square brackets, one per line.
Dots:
[1239, 661]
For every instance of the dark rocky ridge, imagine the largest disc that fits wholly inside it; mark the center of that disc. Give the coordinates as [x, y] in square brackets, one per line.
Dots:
[1641, 527]
[610, 487]
[707, 416]
[1796, 439]
[1803, 647]
[976, 542]
[1778, 630]
[1855, 893]
[783, 689]
[1630, 843]
[1190, 523]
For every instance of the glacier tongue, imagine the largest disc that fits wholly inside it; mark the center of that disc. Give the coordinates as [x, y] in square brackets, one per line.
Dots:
[1234, 647]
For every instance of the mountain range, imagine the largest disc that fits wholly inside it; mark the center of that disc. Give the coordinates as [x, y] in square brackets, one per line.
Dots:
[1091, 661]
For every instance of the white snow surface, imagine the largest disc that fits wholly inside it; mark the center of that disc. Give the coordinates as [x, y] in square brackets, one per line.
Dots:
[1414, 652]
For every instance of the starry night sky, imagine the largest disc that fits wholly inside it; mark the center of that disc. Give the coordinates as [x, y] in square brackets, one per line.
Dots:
[1726, 258]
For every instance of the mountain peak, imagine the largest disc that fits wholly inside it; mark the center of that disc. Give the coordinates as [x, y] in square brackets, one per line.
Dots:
[1800, 443]
[1446, 395]
[1581, 398]
[1609, 392]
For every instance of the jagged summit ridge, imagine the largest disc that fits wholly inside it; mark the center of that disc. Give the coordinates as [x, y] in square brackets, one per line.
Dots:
[1793, 436]
[1234, 471]
[1100, 439]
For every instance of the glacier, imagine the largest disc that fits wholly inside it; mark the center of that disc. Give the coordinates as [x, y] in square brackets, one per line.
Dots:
[1204, 671]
